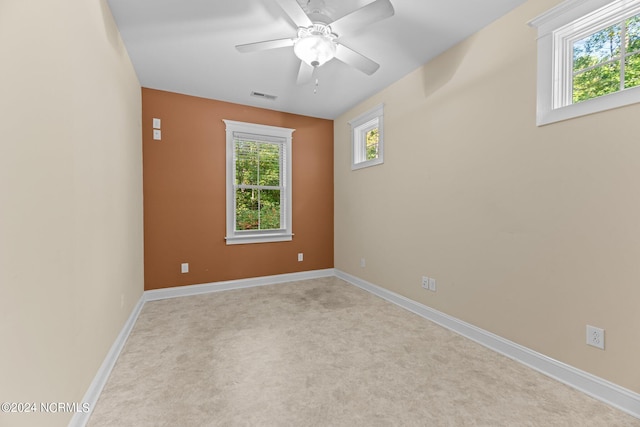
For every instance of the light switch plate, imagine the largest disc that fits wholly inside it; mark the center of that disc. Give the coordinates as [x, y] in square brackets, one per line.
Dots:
[156, 123]
[157, 134]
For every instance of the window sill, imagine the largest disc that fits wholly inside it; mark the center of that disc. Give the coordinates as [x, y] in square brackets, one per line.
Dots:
[368, 163]
[259, 238]
[595, 105]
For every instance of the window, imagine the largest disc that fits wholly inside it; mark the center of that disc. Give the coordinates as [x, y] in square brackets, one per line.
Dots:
[258, 183]
[367, 139]
[588, 58]
[607, 61]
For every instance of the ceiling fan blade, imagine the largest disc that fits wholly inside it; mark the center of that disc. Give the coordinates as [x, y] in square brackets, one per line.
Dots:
[356, 60]
[295, 12]
[373, 12]
[305, 74]
[269, 44]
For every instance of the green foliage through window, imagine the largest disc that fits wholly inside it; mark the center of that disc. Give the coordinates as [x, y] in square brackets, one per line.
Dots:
[607, 61]
[372, 144]
[257, 185]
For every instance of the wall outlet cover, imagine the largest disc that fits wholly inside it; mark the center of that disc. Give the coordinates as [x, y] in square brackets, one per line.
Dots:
[595, 337]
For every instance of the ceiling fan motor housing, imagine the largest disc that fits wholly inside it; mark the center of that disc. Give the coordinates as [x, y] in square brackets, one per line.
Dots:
[316, 44]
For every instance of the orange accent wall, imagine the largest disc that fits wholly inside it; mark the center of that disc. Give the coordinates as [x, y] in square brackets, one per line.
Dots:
[184, 193]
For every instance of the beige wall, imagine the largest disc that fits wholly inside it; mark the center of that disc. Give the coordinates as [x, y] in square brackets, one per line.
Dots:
[70, 199]
[531, 232]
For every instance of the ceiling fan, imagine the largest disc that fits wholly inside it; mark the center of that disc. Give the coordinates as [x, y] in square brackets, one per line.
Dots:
[317, 39]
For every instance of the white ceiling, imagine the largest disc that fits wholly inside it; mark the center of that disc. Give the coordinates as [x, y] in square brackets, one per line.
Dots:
[188, 46]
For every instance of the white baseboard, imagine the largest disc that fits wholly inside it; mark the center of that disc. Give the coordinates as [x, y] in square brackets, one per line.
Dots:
[80, 419]
[598, 388]
[205, 288]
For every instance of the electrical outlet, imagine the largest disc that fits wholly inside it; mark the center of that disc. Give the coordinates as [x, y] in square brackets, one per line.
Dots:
[429, 283]
[363, 263]
[184, 268]
[425, 282]
[300, 256]
[595, 337]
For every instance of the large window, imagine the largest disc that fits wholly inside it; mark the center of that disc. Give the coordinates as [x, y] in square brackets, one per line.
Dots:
[588, 58]
[367, 139]
[258, 183]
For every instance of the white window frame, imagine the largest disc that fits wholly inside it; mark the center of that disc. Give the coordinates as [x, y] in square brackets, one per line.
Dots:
[558, 29]
[267, 134]
[360, 126]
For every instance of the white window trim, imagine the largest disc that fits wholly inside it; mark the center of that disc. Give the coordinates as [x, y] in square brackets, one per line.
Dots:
[234, 236]
[555, 57]
[359, 127]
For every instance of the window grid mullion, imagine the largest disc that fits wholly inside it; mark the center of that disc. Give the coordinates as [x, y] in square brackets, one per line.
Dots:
[362, 138]
[623, 51]
[259, 147]
[565, 80]
[258, 187]
[593, 67]
[259, 209]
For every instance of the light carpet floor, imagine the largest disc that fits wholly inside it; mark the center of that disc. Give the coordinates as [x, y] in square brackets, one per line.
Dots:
[322, 353]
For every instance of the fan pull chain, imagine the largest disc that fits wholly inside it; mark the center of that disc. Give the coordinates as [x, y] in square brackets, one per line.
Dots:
[315, 89]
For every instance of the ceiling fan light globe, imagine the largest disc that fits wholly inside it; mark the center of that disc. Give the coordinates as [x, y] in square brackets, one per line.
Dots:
[315, 49]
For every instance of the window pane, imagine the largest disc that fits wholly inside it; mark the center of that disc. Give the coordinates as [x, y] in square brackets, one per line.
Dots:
[596, 82]
[269, 209]
[257, 209]
[269, 173]
[633, 34]
[246, 162]
[247, 212]
[372, 144]
[632, 71]
[596, 48]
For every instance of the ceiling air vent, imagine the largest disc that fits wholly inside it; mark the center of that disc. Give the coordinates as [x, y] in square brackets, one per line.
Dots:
[264, 96]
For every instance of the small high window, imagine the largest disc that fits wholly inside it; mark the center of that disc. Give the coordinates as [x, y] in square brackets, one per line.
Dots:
[607, 60]
[258, 183]
[588, 58]
[367, 139]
